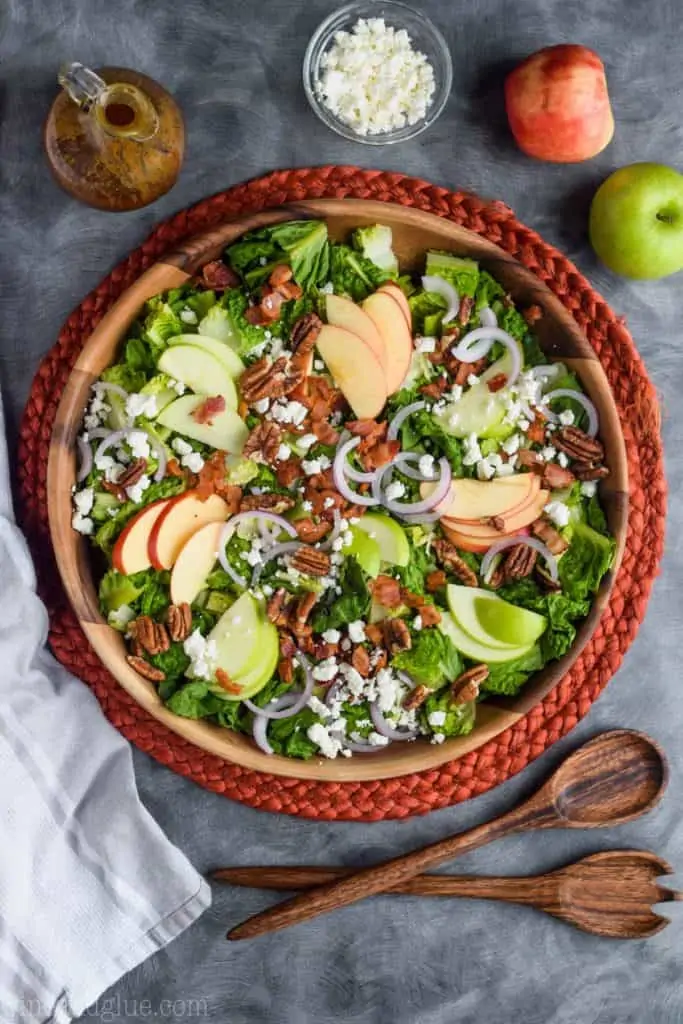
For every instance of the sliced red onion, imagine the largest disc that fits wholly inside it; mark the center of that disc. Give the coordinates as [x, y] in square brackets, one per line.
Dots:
[509, 542]
[285, 548]
[85, 459]
[349, 472]
[115, 389]
[527, 412]
[277, 524]
[385, 729]
[115, 436]
[576, 396]
[445, 289]
[302, 696]
[487, 318]
[98, 432]
[331, 694]
[478, 343]
[362, 747]
[332, 536]
[414, 507]
[229, 529]
[401, 415]
[347, 492]
[259, 729]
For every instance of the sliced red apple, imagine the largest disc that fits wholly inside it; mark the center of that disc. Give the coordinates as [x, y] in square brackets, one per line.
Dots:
[181, 518]
[356, 370]
[484, 536]
[390, 321]
[398, 296]
[342, 312]
[194, 563]
[131, 550]
[473, 500]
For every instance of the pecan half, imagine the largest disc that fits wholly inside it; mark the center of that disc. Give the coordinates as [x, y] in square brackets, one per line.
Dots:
[276, 609]
[519, 561]
[179, 621]
[143, 668]
[287, 646]
[448, 555]
[416, 697]
[435, 580]
[285, 670]
[226, 683]
[386, 591]
[396, 635]
[546, 580]
[585, 471]
[305, 333]
[360, 660]
[132, 474]
[300, 613]
[207, 411]
[542, 529]
[288, 471]
[465, 311]
[263, 442]
[311, 561]
[578, 445]
[555, 477]
[264, 379]
[277, 503]
[466, 686]
[151, 635]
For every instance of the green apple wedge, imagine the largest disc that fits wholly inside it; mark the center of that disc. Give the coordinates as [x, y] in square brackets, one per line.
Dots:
[366, 552]
[481, 411]
[511, 624]
[226, 431]
[202, 372]
[263, 664]
[236, 636]
[218, 349]
[394, 548]
[462, 604]
[636, 221]
[472, 648]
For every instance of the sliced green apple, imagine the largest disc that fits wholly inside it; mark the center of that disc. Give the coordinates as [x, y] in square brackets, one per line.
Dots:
[200, 371]
[226, 431]
[479, 411]
[236, 637]
[463, 608]
[365, 550]
[511, 624]
[393, 544]
[220, 350]
[472, 648]
[262, 666]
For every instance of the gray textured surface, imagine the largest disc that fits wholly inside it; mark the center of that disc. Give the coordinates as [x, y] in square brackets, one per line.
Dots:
[234, 67]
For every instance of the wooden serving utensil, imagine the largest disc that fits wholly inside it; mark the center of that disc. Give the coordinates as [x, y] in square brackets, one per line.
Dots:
[608, 894]
[610, 780]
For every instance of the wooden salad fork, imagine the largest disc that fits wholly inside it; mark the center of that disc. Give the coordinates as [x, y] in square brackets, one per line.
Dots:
[608, 894]
[610, 780]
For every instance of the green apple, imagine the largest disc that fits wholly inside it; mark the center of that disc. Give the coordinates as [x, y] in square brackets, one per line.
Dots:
[200, 371]
[365, 550]
[264, 663]
[226, 431]
[510, 624]
[472, 648]
[391, 538]
[462, 603]
[636, 221]
[220, 350]
[479, 412]
[237, 635]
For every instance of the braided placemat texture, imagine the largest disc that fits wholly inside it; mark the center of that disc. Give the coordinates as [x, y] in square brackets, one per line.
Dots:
[509, 752]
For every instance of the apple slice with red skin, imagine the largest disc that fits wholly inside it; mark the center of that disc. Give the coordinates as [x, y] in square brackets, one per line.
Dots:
[181, 518]
[194, 563]
[356, 370]
[131, 550]
[397, 295]
[533, 493]
[473, 500]
[479, 537]
[342, 312]
[390, 321]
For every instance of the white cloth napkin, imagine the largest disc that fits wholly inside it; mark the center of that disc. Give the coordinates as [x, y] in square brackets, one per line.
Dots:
[89, 884]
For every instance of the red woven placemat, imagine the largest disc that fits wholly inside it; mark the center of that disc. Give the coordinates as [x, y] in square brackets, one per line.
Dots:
[566, 704]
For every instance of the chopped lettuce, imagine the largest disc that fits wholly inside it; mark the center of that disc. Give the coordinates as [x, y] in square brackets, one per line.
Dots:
[460, 718]
[130, 378]
[561, 610]
[196, 700]
[117, 590]
[509, 677]
[374, 242]
[300, 243]
[432, 660]
[161, 323]
[427, 310]
[353, 274]
[459, 271]
[353, 603]
[219, 324]
[583, 566]
[412, 575]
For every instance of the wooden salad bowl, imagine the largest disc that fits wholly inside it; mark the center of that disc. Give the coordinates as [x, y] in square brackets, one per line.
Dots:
[413, 232]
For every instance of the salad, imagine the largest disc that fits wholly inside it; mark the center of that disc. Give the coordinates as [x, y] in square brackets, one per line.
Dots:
[337, 506]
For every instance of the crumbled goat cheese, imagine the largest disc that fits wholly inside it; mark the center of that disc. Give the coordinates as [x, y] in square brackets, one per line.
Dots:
[395, 490]
[472, 380]
[558, 512]
[317, 706]
[388, 689]
[436, 718]
[325, 671]
[438, 737]
[83, 500]
[485, 470]
[141, 405]
[417, 623]
[180, 446]
[548, 453]
[194, 462]
[511, 444]
[472, 452]
[283, 453]
[425, 465]
[289, 412]
[357, 631]
[562, 460]
[327, 289]
[138, 442]
[262, 406]
[328, 745]
[588, 488]
[373, 80]
[201, 653]
[375, 739]
[306, 441]
[121, 616]
[82, 524]
[331, 636]
[566, 417]
[427, 344]
[136, 490]
[177, 386]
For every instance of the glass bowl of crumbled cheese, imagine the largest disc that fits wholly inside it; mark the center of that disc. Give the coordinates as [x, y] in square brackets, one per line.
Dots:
[377, 72]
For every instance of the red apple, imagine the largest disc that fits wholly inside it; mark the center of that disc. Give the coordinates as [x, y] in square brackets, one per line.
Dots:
[558, 105]
[182, 517]
[131, 551]
[356, 370]
[390, 321]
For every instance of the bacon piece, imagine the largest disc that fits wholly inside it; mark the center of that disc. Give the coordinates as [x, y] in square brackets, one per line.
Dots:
[219, 276]
[209, 409]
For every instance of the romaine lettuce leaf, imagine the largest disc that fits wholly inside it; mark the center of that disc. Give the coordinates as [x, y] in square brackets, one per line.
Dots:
[353, 603]
[432, 660]
[508, 677]
[300, 243]
[459, 271]
[582, 567]
[353, 274]
[460, 718]
[374, 242]
[427, 306]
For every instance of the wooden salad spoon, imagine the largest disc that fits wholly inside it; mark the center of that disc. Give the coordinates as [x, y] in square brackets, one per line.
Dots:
[610, 780]
[608, 894]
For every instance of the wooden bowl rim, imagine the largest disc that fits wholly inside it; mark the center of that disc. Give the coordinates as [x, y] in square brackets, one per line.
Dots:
[72, 551]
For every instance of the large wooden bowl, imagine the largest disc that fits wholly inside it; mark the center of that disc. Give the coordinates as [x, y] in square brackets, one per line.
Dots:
[414, 232]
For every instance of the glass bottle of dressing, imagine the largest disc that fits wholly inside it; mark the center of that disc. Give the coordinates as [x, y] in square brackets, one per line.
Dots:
[114, 139]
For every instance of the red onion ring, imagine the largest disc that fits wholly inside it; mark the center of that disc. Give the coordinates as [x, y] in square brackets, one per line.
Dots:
[576, 396]
[414, 507]
[487, 318]
[331, 694]
[545, 371]
[85, 462]
[116, 389]
[531, 542]
[349, 472]
[347, 492]
[384, 729]
[336, 530]
[229, 529]
[401, 415]
[440, 286]
[302, 696]
[479, 342]
[274, 552]
[259, 729]
[115, 436]
[363, 748]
